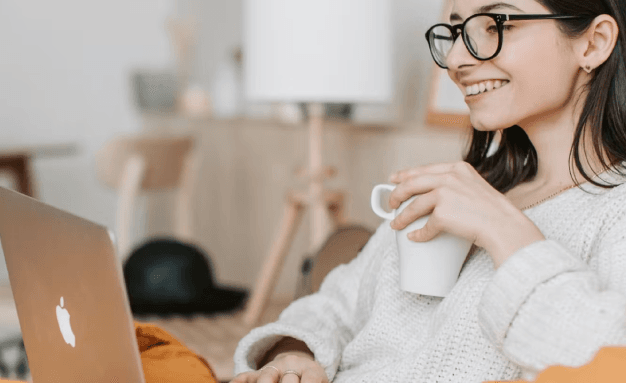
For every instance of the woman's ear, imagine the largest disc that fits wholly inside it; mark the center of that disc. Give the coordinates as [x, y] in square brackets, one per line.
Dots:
[596, 45]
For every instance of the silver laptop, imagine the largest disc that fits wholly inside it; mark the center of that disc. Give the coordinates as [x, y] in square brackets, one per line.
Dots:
[70, 295]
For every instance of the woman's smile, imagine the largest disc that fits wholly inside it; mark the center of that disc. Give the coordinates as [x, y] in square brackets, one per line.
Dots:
[478, 91]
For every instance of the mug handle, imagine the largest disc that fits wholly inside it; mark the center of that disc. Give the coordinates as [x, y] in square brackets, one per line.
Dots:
[375, 201]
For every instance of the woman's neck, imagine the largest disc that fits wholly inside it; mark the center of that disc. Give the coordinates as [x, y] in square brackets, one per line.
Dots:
[552, 140]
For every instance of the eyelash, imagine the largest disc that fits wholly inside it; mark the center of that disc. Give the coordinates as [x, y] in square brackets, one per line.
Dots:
[506, 27]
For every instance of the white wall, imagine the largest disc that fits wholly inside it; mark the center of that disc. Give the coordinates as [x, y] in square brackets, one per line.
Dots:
[221, 31]
[64, 77]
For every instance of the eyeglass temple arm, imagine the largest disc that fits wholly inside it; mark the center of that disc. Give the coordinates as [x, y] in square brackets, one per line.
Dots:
[506, 17]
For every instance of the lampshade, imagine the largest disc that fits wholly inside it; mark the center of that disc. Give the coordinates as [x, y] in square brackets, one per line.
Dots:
[318, 51]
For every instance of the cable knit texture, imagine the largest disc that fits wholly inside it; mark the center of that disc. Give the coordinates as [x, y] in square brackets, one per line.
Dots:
[553, 302]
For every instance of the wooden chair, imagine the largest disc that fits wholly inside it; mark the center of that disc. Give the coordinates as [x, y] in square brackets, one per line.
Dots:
[342, 246]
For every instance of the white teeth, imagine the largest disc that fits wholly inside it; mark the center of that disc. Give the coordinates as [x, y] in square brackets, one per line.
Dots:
[484, 86]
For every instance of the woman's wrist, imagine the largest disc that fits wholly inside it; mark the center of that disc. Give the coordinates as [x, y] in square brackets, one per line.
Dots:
[286, 345]
[302, 354]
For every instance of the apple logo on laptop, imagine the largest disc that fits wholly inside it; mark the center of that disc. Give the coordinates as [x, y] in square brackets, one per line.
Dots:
[63, 317]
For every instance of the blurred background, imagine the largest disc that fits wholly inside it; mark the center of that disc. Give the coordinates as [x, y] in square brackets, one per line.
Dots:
[72, 75]
[76, 77]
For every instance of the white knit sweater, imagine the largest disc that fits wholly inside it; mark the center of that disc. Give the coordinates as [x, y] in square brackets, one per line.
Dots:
[553, 302]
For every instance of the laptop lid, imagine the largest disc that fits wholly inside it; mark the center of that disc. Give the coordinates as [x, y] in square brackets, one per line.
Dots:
[69, 293]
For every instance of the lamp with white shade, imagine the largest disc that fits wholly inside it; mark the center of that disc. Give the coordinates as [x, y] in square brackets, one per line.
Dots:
[313, 52]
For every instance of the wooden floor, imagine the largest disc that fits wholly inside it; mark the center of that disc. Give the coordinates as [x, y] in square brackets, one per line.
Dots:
[214, 338]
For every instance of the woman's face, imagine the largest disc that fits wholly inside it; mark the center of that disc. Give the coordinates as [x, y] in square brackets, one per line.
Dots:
[536, 66]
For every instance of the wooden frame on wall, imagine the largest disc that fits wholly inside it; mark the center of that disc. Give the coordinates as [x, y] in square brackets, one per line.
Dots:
[446, 105]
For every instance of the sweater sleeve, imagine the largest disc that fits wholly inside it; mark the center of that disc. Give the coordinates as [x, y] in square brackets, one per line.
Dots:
[327, 320]
[545, 306]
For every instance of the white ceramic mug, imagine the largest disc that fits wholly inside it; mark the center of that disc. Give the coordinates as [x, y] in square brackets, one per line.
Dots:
[428, 268]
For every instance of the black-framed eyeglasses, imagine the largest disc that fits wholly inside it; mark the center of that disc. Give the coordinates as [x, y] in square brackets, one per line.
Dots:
[482, 35]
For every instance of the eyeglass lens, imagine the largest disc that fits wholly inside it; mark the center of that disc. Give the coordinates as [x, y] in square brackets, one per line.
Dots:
[481, 39]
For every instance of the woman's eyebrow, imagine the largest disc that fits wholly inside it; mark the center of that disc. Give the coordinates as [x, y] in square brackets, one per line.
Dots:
[486, 9]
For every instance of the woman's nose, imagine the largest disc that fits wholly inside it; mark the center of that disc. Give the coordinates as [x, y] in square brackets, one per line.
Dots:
[459, 56]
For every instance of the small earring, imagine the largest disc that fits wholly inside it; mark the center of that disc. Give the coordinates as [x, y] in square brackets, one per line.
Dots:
[588, 69]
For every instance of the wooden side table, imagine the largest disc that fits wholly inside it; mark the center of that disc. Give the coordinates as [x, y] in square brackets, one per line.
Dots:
[18, 162]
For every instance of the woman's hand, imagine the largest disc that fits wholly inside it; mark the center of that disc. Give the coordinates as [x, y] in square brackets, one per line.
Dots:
[462, 203]
[302, 368]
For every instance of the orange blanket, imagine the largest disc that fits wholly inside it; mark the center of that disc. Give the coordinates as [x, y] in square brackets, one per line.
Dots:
[167, 360]
[608, 366]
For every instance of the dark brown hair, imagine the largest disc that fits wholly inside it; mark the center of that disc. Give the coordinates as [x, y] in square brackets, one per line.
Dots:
[604, 111]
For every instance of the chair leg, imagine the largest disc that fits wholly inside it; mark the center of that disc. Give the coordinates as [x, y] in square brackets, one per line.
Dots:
[335, 204]
[268, 277]
[130, 185]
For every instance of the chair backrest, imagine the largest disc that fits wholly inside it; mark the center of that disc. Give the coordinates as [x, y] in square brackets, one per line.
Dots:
[342, 246]
[164, 159]
[134, 164]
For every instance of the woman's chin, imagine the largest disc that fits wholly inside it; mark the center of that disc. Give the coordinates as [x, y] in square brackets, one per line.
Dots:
[487, 123]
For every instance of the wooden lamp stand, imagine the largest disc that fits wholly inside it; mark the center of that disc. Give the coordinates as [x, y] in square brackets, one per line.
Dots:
[320, 201]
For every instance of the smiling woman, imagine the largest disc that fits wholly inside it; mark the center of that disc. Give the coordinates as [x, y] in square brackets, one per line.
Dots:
[548, 66]
[540, 287]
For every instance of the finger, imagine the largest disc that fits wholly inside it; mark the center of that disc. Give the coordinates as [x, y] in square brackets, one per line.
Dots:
[268, 375]
[421, 206]
[438, 168]
[413, 186]
[244, 377]
[290, 378]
